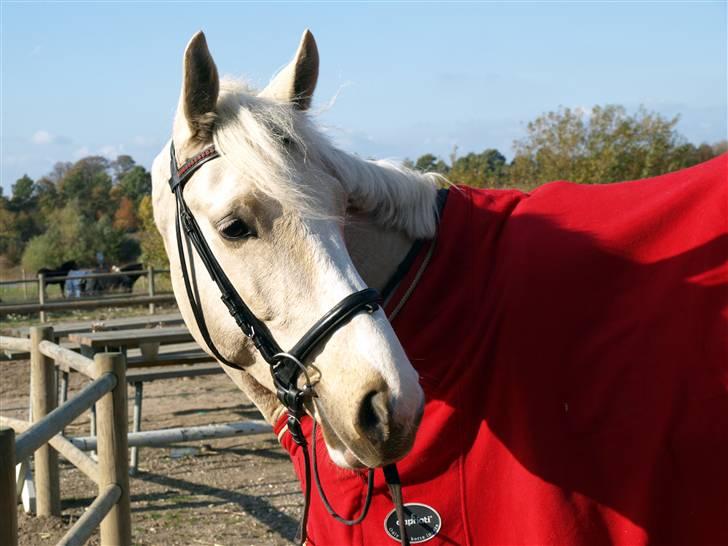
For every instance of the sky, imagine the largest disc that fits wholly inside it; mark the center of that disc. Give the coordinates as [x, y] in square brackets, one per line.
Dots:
[397, 80]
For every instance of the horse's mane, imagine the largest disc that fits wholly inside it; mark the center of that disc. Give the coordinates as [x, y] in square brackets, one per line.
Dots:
[262, 138]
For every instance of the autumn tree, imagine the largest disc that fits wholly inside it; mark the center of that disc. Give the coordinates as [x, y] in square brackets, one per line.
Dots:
[125, 218]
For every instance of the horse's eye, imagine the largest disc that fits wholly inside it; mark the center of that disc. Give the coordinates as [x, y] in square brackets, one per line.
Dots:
[236, 229]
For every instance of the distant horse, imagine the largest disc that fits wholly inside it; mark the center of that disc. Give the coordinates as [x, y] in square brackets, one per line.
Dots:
[57, 276]
[569, 345]
[126, 282]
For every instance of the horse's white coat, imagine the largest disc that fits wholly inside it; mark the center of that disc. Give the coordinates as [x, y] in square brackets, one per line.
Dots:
[282, 177]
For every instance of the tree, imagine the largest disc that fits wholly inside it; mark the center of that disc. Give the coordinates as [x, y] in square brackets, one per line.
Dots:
[135, 184]
[48, 197]
[89, 183]
[153, 252]
[59, 171]
[430, 163]
[71, 235]
[486, 169]
[121, 165]
[43, 251]
[605, 145]
[10, 241]
[23, 193]
[125, 218]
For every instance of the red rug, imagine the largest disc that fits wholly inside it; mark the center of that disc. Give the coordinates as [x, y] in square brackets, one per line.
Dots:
[573, 348]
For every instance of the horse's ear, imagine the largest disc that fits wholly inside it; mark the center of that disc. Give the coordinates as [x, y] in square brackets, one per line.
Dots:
[200, 88]
[297, 81]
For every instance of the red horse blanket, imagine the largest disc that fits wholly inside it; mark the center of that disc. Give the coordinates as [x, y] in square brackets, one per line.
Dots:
[573, 348]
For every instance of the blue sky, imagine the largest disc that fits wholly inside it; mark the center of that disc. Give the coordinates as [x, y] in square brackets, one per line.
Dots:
[407, 78]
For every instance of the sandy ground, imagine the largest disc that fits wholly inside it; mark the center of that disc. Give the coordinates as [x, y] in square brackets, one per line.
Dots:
[237, 491]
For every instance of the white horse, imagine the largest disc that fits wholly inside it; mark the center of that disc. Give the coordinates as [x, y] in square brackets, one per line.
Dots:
[576, 369]
[326, 224]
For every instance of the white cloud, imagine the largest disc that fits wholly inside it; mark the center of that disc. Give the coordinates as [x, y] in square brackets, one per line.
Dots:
[43, 137]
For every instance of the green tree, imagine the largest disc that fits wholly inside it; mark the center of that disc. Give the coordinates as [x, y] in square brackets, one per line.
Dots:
[605, 145]
[23, 194]
[89, 183]
[48, 197]
[430, 163]
[71, 235]
[153, 252]
[135, 183]
[486, 169]
[11, 243]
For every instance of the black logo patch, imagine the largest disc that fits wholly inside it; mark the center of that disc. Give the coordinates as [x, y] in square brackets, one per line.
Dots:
[421, 521]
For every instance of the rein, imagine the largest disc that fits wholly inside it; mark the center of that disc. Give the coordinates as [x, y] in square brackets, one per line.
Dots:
[286, 367]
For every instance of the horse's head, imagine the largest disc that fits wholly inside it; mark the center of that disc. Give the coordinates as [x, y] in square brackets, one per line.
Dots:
[271, 209]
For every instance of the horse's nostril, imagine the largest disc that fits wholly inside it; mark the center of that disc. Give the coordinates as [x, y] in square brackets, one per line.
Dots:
[373, 415]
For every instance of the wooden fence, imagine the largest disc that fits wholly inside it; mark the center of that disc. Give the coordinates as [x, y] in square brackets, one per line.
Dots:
[44, 306]
[111, 509]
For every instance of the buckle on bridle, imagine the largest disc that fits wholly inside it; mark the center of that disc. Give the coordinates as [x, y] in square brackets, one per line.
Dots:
[295, 430]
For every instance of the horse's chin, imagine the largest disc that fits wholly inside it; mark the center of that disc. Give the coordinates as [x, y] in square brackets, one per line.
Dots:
[341, 454]
[345, 458]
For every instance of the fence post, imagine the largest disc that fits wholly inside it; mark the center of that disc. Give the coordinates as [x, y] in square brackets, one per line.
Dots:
[112, 449]
[150, 285]
[44, 399]
[42, 294]
[8, 495]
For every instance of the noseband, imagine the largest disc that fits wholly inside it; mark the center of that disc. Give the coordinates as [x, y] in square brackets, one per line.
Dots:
[286, 367]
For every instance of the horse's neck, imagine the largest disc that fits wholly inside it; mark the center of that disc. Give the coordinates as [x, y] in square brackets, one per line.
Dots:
[375, 251]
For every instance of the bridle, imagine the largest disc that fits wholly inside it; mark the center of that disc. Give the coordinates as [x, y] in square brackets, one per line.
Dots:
[286, 367]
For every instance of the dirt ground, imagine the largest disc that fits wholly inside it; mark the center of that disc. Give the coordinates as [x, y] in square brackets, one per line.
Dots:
[236, 491]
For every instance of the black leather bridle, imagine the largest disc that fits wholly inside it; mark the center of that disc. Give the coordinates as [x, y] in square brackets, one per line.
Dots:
[286, 367]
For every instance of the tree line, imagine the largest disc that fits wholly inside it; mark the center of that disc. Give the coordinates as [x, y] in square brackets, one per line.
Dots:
[96, 205]
[606, 144]
[80, 211]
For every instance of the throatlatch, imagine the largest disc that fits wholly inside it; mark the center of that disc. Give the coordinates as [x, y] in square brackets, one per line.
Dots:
[286, 367]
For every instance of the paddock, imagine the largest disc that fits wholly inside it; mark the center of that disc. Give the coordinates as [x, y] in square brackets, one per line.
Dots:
[252, 515]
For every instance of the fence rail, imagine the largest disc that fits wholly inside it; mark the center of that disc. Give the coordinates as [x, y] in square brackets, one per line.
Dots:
[54, 278]
[66, 358]
[111, 301]
[111, 508]
[14, 344]
[47, 427]
[44, 306]
[63, 446]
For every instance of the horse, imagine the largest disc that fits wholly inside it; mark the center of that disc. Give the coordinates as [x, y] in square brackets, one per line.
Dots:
[547, 367]
[58, 275]
[125, 282]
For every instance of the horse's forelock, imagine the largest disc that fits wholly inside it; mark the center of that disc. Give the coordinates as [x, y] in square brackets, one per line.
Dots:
[256, 136]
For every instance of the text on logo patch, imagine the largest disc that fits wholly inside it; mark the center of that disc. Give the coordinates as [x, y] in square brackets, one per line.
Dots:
[421, 521]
